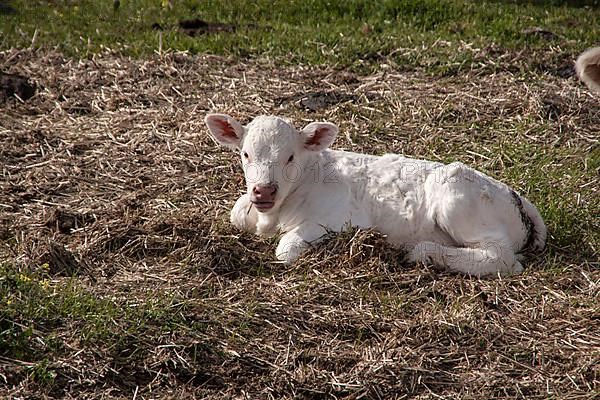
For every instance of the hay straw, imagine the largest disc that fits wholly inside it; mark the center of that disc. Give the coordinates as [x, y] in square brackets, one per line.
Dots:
[108, 174]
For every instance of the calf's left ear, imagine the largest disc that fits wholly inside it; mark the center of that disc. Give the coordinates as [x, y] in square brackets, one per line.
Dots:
[225, 129]
[318, 136]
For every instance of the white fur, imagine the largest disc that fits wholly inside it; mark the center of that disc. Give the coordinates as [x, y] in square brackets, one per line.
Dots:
[448, 215]
[588, 68]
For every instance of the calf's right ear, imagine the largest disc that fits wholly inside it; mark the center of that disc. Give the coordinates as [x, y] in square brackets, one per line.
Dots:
[225, 129]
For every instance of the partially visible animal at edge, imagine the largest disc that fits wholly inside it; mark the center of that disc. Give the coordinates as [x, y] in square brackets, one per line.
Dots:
[451, 216]
[588, 68]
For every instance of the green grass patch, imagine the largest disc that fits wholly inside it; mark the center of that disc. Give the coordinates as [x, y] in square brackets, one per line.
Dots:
[38, 316]
[553, 171]
[440, 35]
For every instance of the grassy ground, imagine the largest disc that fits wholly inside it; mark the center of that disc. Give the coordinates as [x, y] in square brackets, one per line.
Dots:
[120, 276]
[439, 35]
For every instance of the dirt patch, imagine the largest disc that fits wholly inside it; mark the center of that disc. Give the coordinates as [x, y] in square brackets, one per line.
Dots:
[541, 33]
[15, 85]
[197, 27]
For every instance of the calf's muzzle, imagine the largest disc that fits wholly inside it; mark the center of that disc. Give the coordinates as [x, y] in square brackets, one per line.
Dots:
[263, 196]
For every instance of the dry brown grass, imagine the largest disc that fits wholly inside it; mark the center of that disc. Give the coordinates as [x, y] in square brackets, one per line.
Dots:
[108, 176]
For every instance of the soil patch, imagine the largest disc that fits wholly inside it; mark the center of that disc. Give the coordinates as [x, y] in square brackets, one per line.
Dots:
[15, 85]
[197, 27]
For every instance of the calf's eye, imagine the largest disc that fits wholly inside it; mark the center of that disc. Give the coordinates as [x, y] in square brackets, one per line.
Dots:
[290, 159]
[246, 155]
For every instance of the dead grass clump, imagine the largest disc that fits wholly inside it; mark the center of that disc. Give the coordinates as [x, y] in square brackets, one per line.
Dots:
[61, 261]
[65, 222]
[352, 249]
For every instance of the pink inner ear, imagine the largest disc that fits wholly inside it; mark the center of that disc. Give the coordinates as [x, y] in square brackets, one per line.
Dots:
[315, 139]
[227, 130]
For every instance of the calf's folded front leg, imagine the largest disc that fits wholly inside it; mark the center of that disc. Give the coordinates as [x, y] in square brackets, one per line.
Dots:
[295, 242]
[243, 215]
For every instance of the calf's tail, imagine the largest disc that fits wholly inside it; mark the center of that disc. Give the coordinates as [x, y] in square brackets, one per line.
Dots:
[535, 240]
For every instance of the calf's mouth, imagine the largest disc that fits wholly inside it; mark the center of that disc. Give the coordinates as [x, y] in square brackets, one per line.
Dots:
[263, 205]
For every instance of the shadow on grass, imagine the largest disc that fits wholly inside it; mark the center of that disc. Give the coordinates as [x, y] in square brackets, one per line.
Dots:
[6, 8]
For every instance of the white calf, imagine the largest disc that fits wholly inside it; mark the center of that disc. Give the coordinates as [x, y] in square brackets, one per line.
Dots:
[588, 68]
[448, 215]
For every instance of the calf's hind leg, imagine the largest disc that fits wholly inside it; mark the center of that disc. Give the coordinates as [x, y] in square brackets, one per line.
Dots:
[489, 259]
[476, 213]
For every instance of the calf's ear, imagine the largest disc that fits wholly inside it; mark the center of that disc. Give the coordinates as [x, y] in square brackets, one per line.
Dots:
[588, 68]
[318, 135]
[225, 129]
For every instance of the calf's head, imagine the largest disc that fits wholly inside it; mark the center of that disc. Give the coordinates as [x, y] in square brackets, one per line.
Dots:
[275, 156]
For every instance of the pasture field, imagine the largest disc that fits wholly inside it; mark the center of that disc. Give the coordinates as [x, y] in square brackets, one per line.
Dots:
[121, 277]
